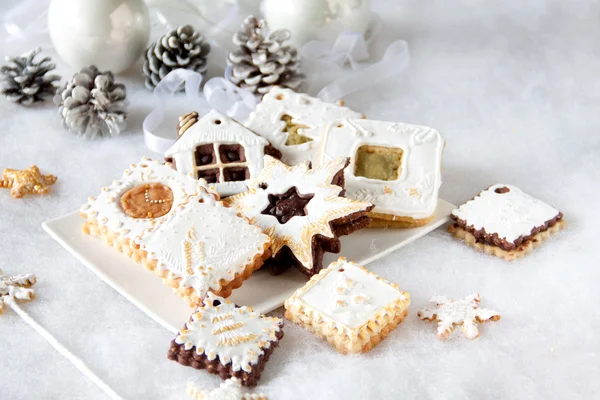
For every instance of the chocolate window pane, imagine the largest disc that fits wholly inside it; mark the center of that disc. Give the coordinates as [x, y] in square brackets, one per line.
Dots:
[233, 174]
[205, 155]
[378, 162]
[210, 175]
[232, 153]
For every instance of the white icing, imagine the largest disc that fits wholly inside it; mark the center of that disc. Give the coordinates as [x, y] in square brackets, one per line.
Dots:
[304, 110]
[464, 312]
[202, 243]
[231, 389]
[106, 208]
[510, 215]
[234, 335]
[324, 207]
[226, 131]
[415, 192]
[350, 297]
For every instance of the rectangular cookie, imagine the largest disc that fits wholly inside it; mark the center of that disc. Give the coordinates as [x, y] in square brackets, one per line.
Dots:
[505, 222]
[396, 167]
[203, 246]
[349, 306]
[294, 122]
[130, 205]
[226, 340]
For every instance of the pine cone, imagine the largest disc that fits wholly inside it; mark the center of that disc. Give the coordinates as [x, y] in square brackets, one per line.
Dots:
[183, 47]
[263, 62]
[24, 81]
[92, 104]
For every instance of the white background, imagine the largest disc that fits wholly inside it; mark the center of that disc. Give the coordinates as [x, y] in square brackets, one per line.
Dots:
[515, 89]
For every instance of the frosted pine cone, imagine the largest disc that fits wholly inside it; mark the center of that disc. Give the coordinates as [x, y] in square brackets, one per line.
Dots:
[183, 47]
[262, 61]
[92, 104]
[26, 81]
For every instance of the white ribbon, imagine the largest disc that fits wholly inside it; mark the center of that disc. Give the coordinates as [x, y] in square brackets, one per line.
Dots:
[219, 94]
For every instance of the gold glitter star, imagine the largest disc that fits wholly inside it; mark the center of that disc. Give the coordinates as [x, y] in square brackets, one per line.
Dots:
[27, 181]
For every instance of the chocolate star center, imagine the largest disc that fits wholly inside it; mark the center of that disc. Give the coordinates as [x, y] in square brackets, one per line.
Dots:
[287, 205]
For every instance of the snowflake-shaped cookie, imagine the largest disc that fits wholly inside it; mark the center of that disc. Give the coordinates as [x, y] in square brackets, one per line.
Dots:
[302, 209]
[231, 389]
[16, 287]
[465, 312]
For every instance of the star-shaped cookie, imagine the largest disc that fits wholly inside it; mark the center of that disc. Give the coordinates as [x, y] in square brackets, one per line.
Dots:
[27, 181]
[464, 313]
[303, 211]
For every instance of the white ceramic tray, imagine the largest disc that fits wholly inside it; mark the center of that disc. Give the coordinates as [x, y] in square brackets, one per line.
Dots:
[262, 291]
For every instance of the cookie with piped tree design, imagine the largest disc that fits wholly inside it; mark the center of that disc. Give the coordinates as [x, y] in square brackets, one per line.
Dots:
[226, 340]
[127, 207]
[505, 222]
[203, 246]
[294, 122]
[303, 210]
[218, 149]
[395, 166]
[349, 306]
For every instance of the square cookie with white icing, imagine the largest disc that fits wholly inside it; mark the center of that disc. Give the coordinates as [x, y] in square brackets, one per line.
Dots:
[396, 167]
[127, 207]
[203, 246]
[219, 150]
[226, 340]
[294, 122]
[349, 306]
[505, 222]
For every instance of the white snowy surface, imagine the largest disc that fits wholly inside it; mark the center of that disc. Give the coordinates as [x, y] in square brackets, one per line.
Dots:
[515, 89]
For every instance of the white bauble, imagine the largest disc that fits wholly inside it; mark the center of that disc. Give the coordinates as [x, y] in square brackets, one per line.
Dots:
[110, 34]
[320, 20]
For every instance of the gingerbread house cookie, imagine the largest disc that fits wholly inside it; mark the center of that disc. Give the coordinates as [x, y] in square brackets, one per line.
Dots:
[294, 122]
[203, 245]
[227, 340]
[349, 306]
[303, 210]
[130, 205]
[395, 166]
[505, 222]
[219, 150]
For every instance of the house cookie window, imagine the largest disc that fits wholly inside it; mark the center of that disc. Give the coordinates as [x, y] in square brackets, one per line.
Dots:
[378, 162]
[219, 162]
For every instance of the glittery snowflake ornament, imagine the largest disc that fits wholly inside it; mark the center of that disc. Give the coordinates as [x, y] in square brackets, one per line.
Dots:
[464, 313]
[231, 389]
[15, 288]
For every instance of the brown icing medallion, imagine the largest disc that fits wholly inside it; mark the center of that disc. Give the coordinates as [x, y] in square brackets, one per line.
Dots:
[150, 200]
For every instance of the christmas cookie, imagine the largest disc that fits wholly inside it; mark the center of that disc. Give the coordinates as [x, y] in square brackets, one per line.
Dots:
[219, 150]
[464, 313]
[397, 167]
[231, 389]
[130, 205]
[349, 306]
[505, 222]
[294, 122]
[227, 340]
[202, 246]
[27, 181]
[302, 210]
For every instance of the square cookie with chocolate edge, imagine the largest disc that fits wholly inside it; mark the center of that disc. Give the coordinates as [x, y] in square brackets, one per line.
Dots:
[505, 222]
[218, 149]
[349, 306]
[395, 166]
[303, 210]
[226, 340]
[130, 205]
[204, 246]
[294, 122]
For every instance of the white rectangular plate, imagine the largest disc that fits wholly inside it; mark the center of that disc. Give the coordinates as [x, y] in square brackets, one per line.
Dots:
[262, 291]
